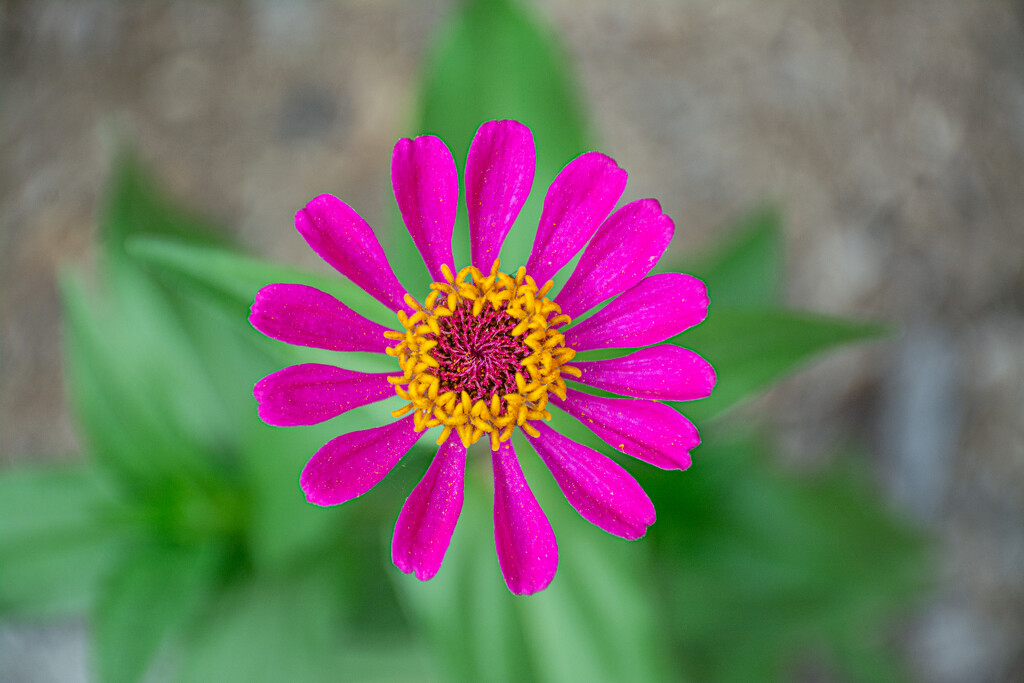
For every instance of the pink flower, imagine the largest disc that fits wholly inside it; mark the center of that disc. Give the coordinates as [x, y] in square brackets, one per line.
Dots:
[486, 351]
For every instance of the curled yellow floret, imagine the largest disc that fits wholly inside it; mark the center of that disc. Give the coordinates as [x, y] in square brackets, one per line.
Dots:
[521, 358]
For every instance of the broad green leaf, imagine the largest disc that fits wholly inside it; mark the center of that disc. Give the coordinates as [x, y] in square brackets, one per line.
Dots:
[493, 61]
[233, 357]
[36, 500]
[293, 626]
[57, 537]
[282, 525]
[133, 206]
[154, 592]
[233, 279]
[751, 348]
[465, 611]
[384, 661]
[600, 601]
[268, 629]
[821, 563]
[747, 270]
[593, 623]
[145, 408]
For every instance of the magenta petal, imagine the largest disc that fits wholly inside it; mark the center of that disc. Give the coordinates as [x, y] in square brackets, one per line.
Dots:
[426, 188]
[337, 233]
[499, 175]
[527, 551]
[582, 196]
[352, 464]
[622, 252]
[600, 490]
[303, 315]
[664, 373]
[311, 393]
[648, 430]
[428, 518]
[656, 308]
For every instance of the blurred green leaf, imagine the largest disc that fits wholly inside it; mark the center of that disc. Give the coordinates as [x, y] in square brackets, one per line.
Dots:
[747, 270]
[267, 630]
[282, 525]
[277, 523]
[56, 537]
[290, 628]
[779, 566]
[231, 356]
[154, 592]
[594, 623]
[466, 612]
[146, 410]
[384, 662]
[133, 205]
[750, 349]
[493, 61]
[232, 279]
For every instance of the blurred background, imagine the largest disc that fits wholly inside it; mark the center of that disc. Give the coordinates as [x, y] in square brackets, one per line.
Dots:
[888, 135]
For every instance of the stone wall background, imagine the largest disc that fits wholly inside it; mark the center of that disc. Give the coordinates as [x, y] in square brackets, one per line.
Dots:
[891, 134]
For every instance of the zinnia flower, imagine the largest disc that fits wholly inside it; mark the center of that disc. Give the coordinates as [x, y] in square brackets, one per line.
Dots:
[486, 351]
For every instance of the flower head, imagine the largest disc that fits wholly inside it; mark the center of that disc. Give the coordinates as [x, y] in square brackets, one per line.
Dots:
[485, 351]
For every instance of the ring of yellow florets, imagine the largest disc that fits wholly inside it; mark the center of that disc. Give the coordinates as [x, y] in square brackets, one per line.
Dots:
[480, 355]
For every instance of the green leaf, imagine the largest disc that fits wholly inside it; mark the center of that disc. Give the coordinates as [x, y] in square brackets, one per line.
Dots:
[386, 661]
[493, 61]
[593, 623]
[233, 356]
[270, 629]
[466, 613]
[152, 594]
[282, 525]
[747, 270]
[145, 407]
[56, 537]
[232, 279]
[760, 567]
[133, 206]
[752, 348]
[293, 627]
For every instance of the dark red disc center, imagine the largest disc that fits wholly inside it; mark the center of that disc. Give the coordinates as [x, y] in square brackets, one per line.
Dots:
[478, 354]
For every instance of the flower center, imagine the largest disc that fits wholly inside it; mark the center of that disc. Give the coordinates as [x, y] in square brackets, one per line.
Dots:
[480, 355]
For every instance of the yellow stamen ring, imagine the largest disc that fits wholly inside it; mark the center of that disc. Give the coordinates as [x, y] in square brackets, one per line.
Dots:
[453, 408]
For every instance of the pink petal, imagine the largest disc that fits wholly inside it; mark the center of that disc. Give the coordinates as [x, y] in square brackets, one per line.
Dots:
[600, 490]
[622, 252]
[656, 308]
[312, 393]
[648, 430]
[499, 175]
[428, 518]
[343, 239]
[304, 315]
[664, 373]
[582, 196]
[426, 188]
[352, 464]
[527, 551]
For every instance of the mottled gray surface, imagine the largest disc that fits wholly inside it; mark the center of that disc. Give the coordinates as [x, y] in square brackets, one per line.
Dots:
[54, 653]
[892, 135]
